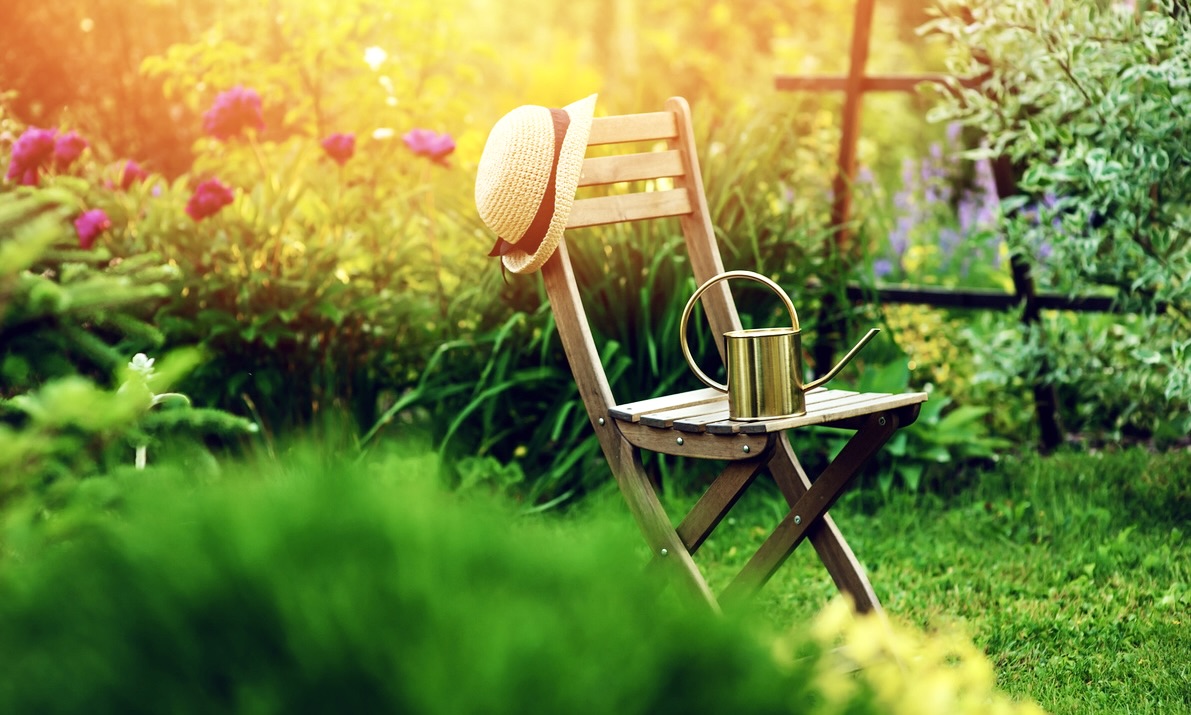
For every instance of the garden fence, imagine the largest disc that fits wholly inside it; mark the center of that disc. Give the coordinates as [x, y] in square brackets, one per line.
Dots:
[855, 84]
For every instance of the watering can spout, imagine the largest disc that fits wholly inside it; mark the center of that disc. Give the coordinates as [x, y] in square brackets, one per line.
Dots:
[844, 361]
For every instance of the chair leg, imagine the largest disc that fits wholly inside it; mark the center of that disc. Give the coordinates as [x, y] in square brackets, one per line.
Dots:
[655, 525]
[812, 505]
[833, 550]
[719, 499]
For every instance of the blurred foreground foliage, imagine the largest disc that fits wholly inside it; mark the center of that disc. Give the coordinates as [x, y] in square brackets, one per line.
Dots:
[310, 584]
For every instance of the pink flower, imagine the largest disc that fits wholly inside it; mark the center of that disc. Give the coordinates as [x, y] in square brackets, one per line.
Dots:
[340, 147]
[89, 225]
[132, 174]
[31, 151]
[430, 144]
[208, 198]
[67, 148]
[234, 111]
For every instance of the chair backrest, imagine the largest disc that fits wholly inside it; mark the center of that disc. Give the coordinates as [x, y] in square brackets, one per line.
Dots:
[686, 201]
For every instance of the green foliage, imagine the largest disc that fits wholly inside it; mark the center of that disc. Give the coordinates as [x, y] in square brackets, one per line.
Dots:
[945, 438]
[251, 595]
[1091, 104]
[1105, 368]
[70, 428]
[66, 308]
[69, 318]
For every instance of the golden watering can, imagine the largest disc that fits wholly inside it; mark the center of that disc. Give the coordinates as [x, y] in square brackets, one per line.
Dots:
[764, 364]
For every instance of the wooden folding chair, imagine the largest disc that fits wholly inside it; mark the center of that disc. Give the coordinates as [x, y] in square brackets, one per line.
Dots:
[696, 424]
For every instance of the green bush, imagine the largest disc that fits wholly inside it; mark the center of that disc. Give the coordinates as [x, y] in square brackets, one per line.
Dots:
[72, 405]
[1089, 101]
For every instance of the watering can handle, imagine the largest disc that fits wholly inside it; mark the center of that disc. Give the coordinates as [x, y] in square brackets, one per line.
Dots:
[690, 305]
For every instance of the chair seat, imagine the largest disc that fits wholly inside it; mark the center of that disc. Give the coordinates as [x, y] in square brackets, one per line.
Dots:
[706, 410]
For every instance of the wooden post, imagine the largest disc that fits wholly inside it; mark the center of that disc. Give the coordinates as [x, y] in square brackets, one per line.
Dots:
[1046, 399]
[831, 324]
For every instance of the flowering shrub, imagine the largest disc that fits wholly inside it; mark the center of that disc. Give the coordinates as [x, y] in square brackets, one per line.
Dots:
[234, 112]
[30, 153]
[340, 147]
[208, 198]
[942, 228]
[67, 148]
[89, 225]
[430, 144]
[132, 173]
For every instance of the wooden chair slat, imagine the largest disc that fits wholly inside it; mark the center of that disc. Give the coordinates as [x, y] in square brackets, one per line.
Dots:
[650, 126]
[871, 403]
[628, 207]
[632, 411]
[820, 396]
[698, 424]
[600, 170]
[666, 418]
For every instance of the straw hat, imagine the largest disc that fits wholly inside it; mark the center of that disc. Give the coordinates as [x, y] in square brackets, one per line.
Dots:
[527, 179]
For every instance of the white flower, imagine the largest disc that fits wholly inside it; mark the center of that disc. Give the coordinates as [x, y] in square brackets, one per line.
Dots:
[375, 56]
[142, 365]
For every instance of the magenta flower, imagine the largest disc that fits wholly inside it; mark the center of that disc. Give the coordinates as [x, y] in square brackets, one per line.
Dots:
[32, 150]
[340, 147]
[430, 144]
[234, 111]
[208, 198]
[67, 148]
[132, 174]
[89, 225]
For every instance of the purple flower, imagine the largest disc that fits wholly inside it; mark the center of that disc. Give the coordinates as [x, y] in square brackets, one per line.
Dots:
[208, 198]
[948, 240]
[234, 111]
[954, 132]
[430, 144]
[132, 173]
[899, 240]
[89, 225]
[33, 149]
[67, 148]
[882, 267]
[340, 147]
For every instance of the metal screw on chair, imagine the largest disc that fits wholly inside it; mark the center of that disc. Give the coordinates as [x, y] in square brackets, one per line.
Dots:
[601, 421]
[745, 448]
[679, 441]
[665, 552]
[797, 519]
[881, 421]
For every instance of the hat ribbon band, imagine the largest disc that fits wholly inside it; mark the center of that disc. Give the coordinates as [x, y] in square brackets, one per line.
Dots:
[532, 238]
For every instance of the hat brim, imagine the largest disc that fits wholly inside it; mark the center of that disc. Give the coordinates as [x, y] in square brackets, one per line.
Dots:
[570, 167]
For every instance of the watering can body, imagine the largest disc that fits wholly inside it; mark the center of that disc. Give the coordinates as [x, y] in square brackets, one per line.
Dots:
[764, 365]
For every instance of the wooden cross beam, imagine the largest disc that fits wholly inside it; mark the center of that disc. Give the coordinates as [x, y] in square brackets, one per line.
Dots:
[854, 85]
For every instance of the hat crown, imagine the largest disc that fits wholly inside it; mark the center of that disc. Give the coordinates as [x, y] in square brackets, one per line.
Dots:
[524, 177]
[514, 170]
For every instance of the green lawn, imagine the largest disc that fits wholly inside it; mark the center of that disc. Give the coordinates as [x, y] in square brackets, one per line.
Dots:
[1072, 572]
